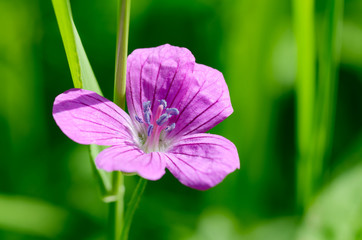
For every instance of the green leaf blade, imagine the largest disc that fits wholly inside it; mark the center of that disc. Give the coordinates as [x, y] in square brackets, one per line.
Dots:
[82, 75]
[80, 68]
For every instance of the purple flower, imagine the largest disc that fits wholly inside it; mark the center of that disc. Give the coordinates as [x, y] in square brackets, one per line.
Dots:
[171, 101]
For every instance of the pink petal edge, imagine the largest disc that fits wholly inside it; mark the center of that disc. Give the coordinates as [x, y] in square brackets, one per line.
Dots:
[168, 72]
[201, 161]
[130, 159]
[206, 104]
[88, 118]
[152, 71]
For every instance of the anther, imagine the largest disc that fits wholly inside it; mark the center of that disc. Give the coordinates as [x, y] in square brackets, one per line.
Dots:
[138, 119]
[146, 106]
[171, 127]
[149, 130]
[172, 111]
[163, 103]
[163, 118]
[147, 116]
[147, 111]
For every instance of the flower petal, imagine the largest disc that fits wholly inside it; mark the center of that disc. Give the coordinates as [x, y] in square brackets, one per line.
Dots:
[87, 118]
[203, 160]
[170, 73]
[152, 71]
[205, 104]
[128, 158]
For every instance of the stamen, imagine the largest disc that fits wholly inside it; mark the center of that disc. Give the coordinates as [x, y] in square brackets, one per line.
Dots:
[171, 127]
[163, 103]
[149, 130]
[172, 111]
[155, 122]
[146, 106]
[147, 111]
[163, 118]
[138, 119]
[147, 116]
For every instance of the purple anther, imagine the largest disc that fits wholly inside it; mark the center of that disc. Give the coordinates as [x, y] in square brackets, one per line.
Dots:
[163, 103]
[147, 116]
[163, 118]
[172, 111]
[149, 130]
[138, 119]
[171, 127]
[146, 106]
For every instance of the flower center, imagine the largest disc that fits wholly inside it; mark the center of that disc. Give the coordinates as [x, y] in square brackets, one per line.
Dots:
[155, 126]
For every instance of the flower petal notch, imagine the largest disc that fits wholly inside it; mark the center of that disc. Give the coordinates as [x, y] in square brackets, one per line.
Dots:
[172, 101]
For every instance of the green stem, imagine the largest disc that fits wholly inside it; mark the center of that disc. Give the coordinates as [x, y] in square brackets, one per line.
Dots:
[121, 56]
[132, 205]
[116, 207]
[305, 90]
[315, 99]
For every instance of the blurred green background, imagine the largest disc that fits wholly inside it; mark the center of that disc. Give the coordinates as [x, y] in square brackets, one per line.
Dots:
[47, 190]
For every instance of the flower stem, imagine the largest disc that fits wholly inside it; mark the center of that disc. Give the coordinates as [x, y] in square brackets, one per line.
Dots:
[132, 205]
[116, 207]
[305, 91]
[121, 55]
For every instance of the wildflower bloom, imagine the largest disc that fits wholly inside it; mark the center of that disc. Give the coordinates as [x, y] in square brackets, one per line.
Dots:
[172, 101]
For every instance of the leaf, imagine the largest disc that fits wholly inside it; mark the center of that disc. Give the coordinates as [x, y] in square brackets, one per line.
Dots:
[82, 73]
[103, 177]
[31, 216]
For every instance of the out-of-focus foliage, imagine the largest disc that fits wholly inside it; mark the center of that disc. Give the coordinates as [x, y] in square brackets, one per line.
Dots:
[31, 216]
[47, 188]
[336, 213]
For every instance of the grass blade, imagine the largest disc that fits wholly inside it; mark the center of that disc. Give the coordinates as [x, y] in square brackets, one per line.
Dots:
[305, 90]
[82, 75]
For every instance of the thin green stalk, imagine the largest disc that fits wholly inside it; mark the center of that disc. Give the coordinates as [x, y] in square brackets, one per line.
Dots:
[116, 207]
[305, 91]
[121, 56]
[132, 205]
